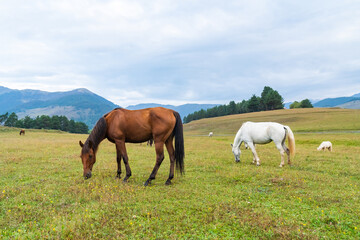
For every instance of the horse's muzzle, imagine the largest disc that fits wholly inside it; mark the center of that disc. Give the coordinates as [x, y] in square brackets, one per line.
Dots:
[87, 175]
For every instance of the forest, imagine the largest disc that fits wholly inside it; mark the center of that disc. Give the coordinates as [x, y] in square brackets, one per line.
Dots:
[270, 100]
[44, 122]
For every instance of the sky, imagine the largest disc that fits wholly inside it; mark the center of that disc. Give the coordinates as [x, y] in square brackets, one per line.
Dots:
[177, 52]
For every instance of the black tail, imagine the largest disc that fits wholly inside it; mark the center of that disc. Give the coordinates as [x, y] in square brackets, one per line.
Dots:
[179, 143]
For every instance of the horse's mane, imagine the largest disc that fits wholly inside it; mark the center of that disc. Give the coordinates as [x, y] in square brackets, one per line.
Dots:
[97, 134]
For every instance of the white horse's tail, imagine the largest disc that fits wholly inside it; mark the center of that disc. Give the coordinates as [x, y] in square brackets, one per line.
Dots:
[291, 140]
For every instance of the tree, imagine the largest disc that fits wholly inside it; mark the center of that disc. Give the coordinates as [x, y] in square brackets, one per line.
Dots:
[274, 101]
[55, 122]
[11, 120]
[271, 99]
[306, 104]
[303, 104]
[295, 104]
[232, 107]
[254, 103]
[3, 117]
[264, 97]
[28, 122]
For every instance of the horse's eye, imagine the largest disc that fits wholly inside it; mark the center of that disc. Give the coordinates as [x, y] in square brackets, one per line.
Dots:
[90, 156]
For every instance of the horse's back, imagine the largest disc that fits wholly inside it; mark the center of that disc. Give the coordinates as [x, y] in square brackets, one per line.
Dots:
[326, 144]
[139, 125]
[261, 132]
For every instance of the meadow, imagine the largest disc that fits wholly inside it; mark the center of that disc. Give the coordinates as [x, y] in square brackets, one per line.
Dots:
[43, 193]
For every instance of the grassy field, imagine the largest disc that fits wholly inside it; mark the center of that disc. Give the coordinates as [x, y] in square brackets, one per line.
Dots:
[43, 193]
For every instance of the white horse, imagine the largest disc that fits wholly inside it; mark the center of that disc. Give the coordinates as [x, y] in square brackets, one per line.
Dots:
[211, 134]
[261, 133]
[325, 145]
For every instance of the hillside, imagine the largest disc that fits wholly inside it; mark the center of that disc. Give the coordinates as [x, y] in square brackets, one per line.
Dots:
[355, 104]
[79, 104]
[336, 102]
[300, 120]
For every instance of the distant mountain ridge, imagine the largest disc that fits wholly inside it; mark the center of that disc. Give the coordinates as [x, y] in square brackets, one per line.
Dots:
[86, 106]
[79, 104]
[351, 102]
[337, 102]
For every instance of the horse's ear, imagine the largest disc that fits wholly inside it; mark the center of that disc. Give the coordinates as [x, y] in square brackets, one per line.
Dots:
[81, 144]
[90, 144]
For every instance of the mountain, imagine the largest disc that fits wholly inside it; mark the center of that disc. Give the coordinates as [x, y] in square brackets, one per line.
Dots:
[183, 110]
[355, 104]
[79, 104]
[335, 102]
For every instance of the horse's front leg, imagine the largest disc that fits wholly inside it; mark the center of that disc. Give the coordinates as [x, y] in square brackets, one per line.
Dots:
[256, 158]
[159, 147]
[120, 146]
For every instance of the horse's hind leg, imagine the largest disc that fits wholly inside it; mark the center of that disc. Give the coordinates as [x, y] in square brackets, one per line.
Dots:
[282, 149]
[118, 160]
[159, 148]
[287, 152]
[170, 149]
[120, 146]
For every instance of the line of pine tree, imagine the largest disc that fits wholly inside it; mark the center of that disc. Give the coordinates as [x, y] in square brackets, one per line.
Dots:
[270, 100]
[44, 122]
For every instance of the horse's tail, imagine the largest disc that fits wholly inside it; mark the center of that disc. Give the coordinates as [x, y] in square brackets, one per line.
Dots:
[179, 143]
[291, 140]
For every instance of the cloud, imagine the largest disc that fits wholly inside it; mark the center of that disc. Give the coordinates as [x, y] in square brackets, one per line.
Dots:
[185, 51]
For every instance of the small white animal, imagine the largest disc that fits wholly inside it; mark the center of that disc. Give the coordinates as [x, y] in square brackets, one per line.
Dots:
[325, 145]
[211, 134]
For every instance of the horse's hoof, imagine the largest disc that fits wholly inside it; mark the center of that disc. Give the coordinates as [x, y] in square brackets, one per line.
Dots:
[281, 165]
[168, 182]
[146, 183]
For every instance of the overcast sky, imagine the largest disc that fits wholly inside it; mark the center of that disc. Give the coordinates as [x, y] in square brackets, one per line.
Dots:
[177, 52]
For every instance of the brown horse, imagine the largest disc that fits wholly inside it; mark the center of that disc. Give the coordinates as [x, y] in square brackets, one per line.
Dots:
[121, 125]
[22, 131]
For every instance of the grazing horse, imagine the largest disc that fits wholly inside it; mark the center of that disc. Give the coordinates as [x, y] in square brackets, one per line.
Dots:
[261, 133]
[121, 125]
[325, 145]
[22, 131]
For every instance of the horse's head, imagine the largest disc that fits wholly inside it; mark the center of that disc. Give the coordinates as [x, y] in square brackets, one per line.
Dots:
[88, 157]
[236, 151]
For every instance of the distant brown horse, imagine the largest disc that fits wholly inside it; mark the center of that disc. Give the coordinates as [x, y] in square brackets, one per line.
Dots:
[22, 131]
[121, 125]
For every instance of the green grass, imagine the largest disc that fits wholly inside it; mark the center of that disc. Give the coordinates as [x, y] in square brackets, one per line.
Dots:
[43, 194]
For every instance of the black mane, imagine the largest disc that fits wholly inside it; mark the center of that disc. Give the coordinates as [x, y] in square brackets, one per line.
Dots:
[97, 134]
